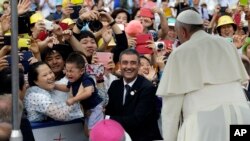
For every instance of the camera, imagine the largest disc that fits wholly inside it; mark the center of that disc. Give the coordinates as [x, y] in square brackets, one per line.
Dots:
[76, 9]
[7, 40]
[48, 25]
[159, 45]
[95, 25]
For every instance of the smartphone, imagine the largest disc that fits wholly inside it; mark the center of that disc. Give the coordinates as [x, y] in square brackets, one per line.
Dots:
[23, 24]
[8, 58]
[237, 18]
[76, 9]
[7, 40]
[95, 69]
[141, 44]
[104, 57]
[168, 43]
[49, 25]
[23, 43]
[143, 38]
[26, 55]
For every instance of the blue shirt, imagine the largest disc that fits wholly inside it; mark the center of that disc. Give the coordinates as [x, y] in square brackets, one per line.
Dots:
[86, 81]
[57, 15]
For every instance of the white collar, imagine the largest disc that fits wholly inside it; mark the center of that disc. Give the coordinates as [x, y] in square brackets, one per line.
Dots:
[130, 84]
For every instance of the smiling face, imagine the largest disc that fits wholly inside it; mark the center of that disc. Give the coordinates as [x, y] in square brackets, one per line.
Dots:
[121, 18]
[89, 46]
[129, 65]
[45, 78]
[227, 30]
[171, 33]
[145, 66]
[55, 61]
[146, 22]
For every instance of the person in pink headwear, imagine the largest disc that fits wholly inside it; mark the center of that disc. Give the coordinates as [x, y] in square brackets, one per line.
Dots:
[108, 130]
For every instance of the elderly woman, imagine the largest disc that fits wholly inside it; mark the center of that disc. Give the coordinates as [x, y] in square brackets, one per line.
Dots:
[38, 100]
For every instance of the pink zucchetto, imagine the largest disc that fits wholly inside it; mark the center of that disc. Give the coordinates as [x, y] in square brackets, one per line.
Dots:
[107, 130]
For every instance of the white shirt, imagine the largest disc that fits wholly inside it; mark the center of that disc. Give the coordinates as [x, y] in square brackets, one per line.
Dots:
[125, 91]
[60, 95]
[46, 10]
[108, 79]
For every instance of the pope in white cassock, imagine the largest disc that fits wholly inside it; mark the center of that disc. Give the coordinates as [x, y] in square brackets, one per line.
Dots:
[202, 84]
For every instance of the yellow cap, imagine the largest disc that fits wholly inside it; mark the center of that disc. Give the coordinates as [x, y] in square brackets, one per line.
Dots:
[68, 21]
[224, 20]
[77, 2]
[36, 17]
[65, 3]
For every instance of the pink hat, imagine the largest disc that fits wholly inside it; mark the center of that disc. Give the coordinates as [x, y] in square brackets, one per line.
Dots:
[145, 12]
[134, 28]
[107, 130]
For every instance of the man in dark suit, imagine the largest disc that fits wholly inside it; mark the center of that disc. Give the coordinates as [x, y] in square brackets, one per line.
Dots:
[132, 100]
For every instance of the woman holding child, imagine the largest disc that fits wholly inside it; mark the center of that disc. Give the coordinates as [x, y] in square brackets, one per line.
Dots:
[38, 99]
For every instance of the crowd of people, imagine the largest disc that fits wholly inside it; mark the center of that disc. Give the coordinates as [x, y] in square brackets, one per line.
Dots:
[129, 64]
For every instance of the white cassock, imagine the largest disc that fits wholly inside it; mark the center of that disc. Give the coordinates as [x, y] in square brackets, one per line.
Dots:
[202, 80]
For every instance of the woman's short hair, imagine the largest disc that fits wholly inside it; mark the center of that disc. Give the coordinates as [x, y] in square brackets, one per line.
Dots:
[120, 10]
[33, 73]
[143, 57]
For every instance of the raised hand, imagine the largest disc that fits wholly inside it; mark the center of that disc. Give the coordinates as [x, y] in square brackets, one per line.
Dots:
[90, 15]
[131, 41]
[151, 75]
[107, 35]
[238, 40]
[94, 59]
[3, 63]
[4, 50]
[67, 34]
[23, 6]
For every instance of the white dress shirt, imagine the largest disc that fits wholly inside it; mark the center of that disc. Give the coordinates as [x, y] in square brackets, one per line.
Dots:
[125, 91]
